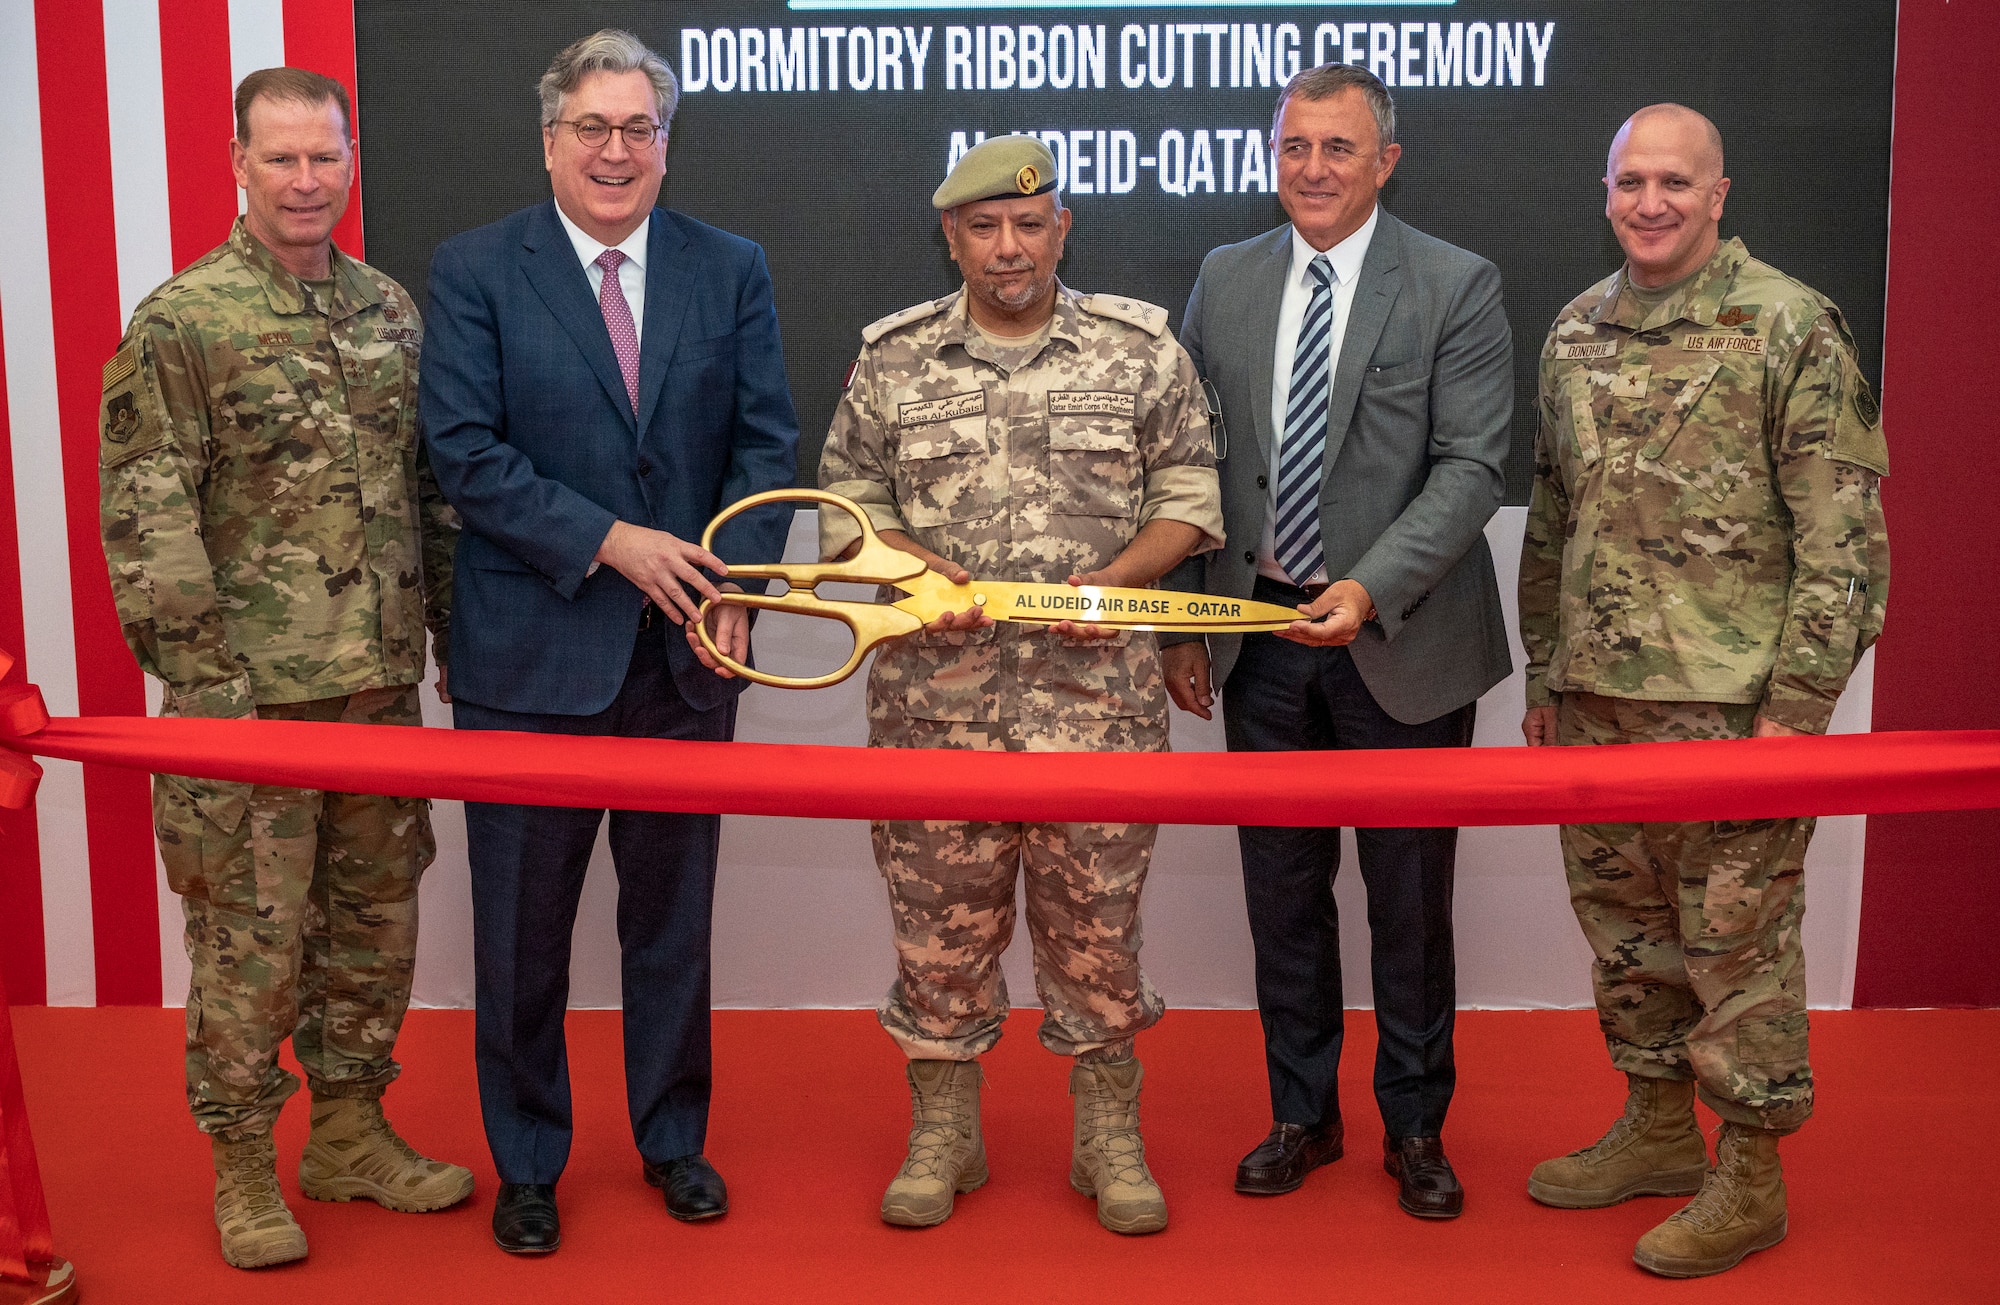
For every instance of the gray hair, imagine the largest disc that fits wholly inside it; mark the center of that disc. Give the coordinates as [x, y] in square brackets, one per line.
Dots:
[1329, 80]
[612, 50]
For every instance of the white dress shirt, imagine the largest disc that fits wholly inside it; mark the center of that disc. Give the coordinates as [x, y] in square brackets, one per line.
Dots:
[1346, 259]
[631, 272]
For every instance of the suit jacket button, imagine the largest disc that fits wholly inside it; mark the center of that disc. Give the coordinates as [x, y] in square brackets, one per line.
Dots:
[1249, 557]
[645, 467]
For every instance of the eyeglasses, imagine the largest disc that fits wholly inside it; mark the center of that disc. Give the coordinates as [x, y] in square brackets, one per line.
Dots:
[594, 132]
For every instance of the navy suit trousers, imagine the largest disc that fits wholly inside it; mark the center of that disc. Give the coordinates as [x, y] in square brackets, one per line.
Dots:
[527, 874]
[1282, 697]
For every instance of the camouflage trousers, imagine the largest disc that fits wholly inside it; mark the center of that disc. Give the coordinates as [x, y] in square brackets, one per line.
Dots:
[1699, 970]
[301, 911]
[951, 898]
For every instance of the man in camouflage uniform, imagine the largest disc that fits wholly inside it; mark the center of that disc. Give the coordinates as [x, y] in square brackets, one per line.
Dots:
[1705, 559]
[276, 550]
[1020, 431]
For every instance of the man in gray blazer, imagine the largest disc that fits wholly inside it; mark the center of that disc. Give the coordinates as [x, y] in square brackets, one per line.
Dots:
[1364, 371]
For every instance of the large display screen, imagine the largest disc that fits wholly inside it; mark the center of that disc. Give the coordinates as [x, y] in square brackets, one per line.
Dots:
[819, 128]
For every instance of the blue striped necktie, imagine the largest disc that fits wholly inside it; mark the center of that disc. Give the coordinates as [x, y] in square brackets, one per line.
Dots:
[1297, 528]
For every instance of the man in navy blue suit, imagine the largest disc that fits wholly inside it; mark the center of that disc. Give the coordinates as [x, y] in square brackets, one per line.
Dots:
[601, 377]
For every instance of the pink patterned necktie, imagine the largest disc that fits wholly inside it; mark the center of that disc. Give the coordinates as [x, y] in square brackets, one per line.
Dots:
[618, 320]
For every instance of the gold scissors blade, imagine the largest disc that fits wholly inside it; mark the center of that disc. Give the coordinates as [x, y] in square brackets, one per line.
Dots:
[931, 596]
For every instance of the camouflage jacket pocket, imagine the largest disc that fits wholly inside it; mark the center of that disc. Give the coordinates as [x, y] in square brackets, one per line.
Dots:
[1700, 454]
[945, 474]
[221, 802]
[1094, 467]
[1101, 679]
[274, 438]
[953, 677]
[1575, 416]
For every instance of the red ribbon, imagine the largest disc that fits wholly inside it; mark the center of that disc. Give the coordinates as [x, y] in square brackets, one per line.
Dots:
[1730, 779]
[21, 714]
[24, 1213]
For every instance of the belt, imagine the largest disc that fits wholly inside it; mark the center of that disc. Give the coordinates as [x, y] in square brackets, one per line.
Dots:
[1289, 594]
[1267, 590]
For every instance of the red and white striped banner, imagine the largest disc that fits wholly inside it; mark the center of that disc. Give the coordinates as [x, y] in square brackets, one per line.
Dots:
[116, 160]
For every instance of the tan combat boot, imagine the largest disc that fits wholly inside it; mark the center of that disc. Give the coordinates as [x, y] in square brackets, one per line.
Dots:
[947, 1155]
[1108, 1160]
[354, 1152]
[1654, 1149]
[256, 1228]
[1740, 1209]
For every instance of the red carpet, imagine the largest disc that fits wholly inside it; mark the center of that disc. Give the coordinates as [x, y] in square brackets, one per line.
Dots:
[1889, 1191]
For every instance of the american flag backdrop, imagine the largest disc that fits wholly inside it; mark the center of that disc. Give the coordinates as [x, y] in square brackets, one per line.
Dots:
[116, 174]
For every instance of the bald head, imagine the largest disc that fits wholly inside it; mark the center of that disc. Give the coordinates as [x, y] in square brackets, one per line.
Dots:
[1675, 127]
[1664, 191]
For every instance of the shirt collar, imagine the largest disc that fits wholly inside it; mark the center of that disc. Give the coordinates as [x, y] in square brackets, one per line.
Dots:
[588, 247]
[1065, 324]
[1346, 257]
[287, 294]
[1698, 301]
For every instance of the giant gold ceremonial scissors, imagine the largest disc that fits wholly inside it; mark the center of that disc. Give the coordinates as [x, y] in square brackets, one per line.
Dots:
[931, 596]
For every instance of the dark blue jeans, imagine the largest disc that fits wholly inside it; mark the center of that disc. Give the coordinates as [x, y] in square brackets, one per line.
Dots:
[527, 873]
[1284, 697]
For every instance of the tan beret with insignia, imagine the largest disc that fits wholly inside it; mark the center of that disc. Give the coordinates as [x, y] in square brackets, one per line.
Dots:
[1005, 167]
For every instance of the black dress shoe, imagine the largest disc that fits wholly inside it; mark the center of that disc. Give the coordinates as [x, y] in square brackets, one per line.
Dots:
[1286, 1155]
[693, 1189]
[524, 1219]
[1427, 1187]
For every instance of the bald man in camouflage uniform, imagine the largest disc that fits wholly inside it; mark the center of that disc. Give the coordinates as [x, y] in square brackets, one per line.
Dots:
[1705, 559]
[277, 549]
[1017, 430]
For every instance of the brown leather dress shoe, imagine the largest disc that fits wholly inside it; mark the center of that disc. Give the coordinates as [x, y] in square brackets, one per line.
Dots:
[693, 1189]
[1286, 1155]
[1427, 1186]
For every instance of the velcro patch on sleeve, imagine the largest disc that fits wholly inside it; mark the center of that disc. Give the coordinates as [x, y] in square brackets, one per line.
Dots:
[120, 419]
[122, 364]
[1857, 425]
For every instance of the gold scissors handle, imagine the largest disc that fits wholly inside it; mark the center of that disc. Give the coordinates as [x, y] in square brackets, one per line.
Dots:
[873, 563]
